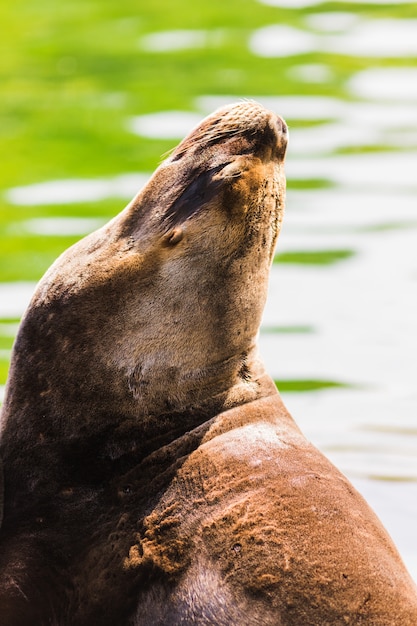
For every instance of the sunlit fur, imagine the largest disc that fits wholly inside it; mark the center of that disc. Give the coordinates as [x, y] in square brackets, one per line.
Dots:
[153, 476]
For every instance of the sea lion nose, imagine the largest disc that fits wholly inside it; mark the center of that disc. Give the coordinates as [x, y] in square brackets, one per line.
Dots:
[281, 125]
[280, 131]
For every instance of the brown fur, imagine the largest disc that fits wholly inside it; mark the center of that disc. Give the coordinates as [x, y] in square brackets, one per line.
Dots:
[152, 474]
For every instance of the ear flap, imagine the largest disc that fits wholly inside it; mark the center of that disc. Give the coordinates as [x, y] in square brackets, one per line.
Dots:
[174, 236]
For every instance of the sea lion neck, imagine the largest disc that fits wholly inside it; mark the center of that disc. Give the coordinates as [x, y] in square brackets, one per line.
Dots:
[158, 312]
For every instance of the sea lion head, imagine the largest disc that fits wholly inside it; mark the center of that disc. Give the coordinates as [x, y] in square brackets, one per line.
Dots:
[160, 309]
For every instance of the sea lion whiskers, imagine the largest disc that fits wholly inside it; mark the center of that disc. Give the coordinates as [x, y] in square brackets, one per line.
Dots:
[247, 119]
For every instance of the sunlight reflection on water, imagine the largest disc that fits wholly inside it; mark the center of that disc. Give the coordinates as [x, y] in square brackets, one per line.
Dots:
[70, 191]
[383, 38]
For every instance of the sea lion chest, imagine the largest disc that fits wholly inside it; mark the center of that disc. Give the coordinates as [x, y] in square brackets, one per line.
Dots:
[256, 527]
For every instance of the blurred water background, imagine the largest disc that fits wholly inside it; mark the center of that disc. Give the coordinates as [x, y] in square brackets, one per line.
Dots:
[93, 93]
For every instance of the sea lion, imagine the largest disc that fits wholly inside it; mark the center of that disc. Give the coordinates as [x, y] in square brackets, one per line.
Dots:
[152, 473]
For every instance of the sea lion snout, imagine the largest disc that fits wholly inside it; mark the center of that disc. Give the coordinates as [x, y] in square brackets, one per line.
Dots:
[231, 162]
[282, 126]
[282, 133]
[233, 130]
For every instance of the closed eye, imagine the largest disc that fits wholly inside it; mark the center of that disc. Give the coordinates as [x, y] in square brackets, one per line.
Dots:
[198, 193]
[234, 169]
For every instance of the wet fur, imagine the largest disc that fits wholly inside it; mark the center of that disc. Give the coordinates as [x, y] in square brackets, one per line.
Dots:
[152, 475]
